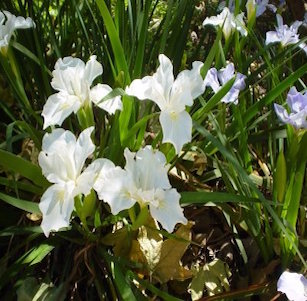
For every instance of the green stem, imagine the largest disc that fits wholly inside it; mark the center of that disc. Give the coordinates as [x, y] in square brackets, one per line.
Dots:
[86, 117]
[132, 215]
[141, 218]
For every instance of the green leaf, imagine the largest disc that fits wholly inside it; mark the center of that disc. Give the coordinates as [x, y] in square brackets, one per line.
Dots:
[137, 126]
[37, 254]
[30, 55]
[32, 257]
[203, 197]
[23, 167]
[280, 177]
[16, 230]
[213, 101]
[118, 50]
[274, 93]
[119, 278]
[294, 198]
[212, 53]
[21, 204]
[12, 183]
[115, 92]
[240, 170]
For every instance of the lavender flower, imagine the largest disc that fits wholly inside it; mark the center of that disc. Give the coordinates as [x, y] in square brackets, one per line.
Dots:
[297, 103]
[284, 34]
[217, 79]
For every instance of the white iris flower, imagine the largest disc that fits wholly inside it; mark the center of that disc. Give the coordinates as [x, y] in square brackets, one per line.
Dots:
[294, 285]
[8, 23]
[62, 159]
[171, 96]
[228, 22]
[144, 180]
[73, 79]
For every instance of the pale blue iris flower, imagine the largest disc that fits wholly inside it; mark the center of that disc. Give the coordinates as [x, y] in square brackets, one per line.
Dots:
[284, 34]
[217, 79]
[297, 103]
[294, 285]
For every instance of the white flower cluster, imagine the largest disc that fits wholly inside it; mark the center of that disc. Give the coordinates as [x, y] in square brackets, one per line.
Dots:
[144, 179]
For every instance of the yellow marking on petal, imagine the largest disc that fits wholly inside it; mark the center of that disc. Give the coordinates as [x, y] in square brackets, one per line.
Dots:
[61, 195]
[174, 115]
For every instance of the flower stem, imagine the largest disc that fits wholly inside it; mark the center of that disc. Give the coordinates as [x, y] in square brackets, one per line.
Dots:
[141, 218]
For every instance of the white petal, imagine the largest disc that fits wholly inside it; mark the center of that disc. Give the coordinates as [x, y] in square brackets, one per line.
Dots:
[304, 47]
[164, 75]
[214, 21]
[57, 139]
[83, 148]
[298, 120]
[157, 87]
[52, 167]
[293, 285]
[272, 37]
[58, 107]
[168, 212]
[62, 156]
[68, 76]
[100, 167]
[280, 22]
[179, 98]
[295, 100]
[141, 88]
[147, 168]
[228, 26]
[116, 189]
[217, 20]
[111, 105]
[56, 206]
[189, 81]
[240, 25]
[294, 27]
[92, 176]
[272, 7]
[147, 88]
[7, 29]
[68, 62]
[21, 22]
[92, 69]
[176, 128]
[197, 85]
[56, 157]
